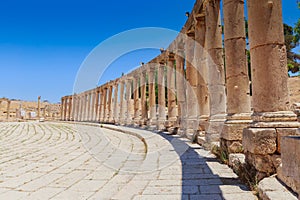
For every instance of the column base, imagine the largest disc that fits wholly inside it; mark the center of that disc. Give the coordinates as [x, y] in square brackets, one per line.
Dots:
[161, 125]
[232, 134]
[261, 141]
[192, 126]
[214, 130]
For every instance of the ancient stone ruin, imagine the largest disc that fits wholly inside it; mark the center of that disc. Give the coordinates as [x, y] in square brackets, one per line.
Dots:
[205, 104]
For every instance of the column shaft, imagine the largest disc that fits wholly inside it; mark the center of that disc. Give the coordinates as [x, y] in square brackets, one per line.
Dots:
[161, 96]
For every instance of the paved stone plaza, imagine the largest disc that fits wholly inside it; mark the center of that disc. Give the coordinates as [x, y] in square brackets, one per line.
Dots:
[71, 161]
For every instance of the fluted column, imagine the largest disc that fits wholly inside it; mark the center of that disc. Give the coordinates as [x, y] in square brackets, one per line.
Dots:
[216, 79]
[270, 97]
[161, 96]
[172, 110]
[144, 113]
[116, 103]
[152, 100]
[137, 106]
[180, 87]
[237, 80]
[191, 88]
[123, 105]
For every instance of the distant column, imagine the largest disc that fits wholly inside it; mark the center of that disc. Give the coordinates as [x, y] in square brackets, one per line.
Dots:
[8, 109]
[144, 115]
[152, 100]
[74, 107]
[61, 108]
[122, 104]
[70, 108]
[109, 107]
[104, 104]
[191, 88]
[96, 116]
[39, 107]
[116, 103]
[180, 86]
[200, 62]
[172, 111]
[161, 96]
[65, 108]
[128, 101]
[137, 106]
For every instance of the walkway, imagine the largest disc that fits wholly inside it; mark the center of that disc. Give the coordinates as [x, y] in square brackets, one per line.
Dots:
[72, 161]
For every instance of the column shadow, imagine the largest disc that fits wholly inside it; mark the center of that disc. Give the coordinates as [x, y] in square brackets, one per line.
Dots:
[200, 180]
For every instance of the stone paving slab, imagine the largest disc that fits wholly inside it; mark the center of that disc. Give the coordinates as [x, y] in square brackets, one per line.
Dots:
[78, 161]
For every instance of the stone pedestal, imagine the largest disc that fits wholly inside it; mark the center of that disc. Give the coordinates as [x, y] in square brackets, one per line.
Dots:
[289, 173]
[262, 140]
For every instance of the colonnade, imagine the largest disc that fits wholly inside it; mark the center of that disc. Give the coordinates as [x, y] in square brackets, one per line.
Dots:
[186, 90]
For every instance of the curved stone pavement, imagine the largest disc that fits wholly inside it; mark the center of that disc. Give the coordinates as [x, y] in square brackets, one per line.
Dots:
[77, 161]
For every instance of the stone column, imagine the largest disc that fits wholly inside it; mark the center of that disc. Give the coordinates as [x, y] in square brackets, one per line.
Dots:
[69, 108]
[74, 103]
[101, 110]
[61, 108]
[172, 110]
[109, 107]
[180, 86]
[116, 104]
[39, 107]
[191, 88]
[152, 98]
[144, 114]
[271, 118]
[216, 80]
[237, 79]
[161, 96]
[137, 106]
[65, 108]
[128, 101]
[8, 109]
[104, 105]
[89, 105]
[96, 116]
[200, 62]
[122, 104]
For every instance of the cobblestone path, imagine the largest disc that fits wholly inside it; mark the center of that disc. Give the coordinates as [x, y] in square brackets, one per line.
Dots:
[73, 161]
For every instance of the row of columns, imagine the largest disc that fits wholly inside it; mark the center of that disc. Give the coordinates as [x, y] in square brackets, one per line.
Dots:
[192, 71]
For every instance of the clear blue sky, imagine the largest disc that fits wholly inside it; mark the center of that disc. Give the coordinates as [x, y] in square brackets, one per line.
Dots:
[43, 43]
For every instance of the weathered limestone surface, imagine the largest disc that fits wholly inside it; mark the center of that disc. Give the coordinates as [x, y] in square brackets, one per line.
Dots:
[200, 106]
